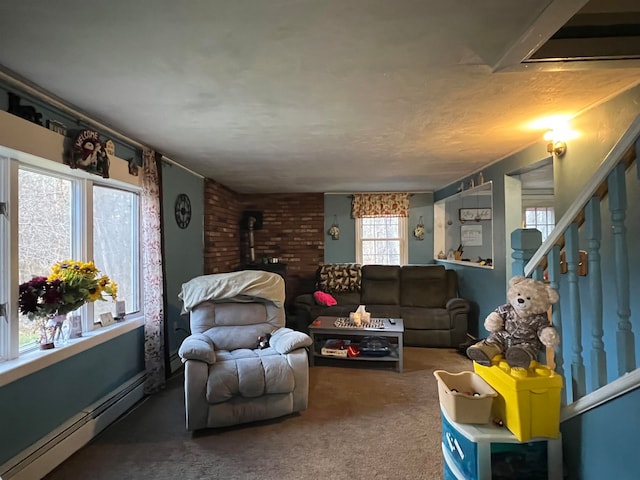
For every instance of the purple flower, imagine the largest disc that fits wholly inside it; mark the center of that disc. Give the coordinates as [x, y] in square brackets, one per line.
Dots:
[28, 301]
[53, 293]
[38, 297]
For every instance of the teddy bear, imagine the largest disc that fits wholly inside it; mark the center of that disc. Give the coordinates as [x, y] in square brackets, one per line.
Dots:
[263, 341]
[519, 328]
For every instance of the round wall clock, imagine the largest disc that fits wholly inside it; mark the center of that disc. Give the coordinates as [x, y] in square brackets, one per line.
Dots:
[183, 210]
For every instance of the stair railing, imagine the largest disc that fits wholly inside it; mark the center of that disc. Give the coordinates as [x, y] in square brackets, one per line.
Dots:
[585, 213]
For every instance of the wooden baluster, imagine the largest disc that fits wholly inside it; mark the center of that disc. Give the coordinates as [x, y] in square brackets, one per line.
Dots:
[524, 243]
[617, 207]
[577, 366]
[553, 267]
[593, 227]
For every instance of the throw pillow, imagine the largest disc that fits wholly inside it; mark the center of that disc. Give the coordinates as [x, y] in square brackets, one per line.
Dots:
[325, 299]
[339, 277]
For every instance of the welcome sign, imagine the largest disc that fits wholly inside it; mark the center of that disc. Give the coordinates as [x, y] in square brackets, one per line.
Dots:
[90, 153]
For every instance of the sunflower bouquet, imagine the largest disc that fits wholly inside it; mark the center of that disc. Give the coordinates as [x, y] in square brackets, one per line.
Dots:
[70, 285]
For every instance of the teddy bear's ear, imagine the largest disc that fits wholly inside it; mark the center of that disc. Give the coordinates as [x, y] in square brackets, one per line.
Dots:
[553, 294]
[515, 280]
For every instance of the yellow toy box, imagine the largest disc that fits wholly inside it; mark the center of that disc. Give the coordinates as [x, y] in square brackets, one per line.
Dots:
[528, 399]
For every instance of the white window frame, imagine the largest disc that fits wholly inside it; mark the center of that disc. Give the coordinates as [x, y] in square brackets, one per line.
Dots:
[15, 364]
[404, 240]
[6, 256]
[536, 224]
[137, 274]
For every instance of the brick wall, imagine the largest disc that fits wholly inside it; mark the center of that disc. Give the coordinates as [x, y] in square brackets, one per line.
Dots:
[222, 213]
[292, 230]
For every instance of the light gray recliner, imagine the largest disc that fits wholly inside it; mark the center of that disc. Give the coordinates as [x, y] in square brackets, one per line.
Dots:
[227, 379]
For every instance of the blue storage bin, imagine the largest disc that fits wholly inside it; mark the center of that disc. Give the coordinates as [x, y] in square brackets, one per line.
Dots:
[488, 452]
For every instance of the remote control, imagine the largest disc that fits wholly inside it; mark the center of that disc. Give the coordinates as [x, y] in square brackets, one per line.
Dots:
[392, 321]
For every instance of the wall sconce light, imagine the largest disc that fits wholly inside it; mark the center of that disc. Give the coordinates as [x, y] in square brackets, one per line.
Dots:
[334, 231]
[418, 232]
[554, 144]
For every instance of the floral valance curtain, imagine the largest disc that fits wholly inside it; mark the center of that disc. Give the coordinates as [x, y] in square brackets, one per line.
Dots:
[152, 274]
[380, 205]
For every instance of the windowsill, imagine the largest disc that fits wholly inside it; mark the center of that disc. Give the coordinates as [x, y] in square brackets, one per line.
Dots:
[31, 362]
[466, 264]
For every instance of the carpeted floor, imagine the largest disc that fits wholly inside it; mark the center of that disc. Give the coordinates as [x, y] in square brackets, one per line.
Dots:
[362, 423]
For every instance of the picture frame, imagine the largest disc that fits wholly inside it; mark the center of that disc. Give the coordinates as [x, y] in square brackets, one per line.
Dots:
[477, 214]
[120, 310]
[106, 319]
[76, 326]
[471, 235]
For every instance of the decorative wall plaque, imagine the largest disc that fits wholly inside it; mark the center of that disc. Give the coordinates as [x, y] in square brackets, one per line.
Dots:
[476, 214]
[110, 148]
[90, 153]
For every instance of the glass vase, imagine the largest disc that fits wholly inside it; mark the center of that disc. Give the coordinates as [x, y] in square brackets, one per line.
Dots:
[50, 330]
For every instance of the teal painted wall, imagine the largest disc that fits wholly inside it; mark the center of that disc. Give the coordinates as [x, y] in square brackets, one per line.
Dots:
[421, 251]
[34, 405]
[602, 443]
[343, 250]
[599, 129]
[183, 248]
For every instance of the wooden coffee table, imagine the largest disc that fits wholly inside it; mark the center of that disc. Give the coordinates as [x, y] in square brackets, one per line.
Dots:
[323, 328]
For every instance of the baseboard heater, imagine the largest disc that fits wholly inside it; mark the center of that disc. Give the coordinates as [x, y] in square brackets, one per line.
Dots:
[53, 449]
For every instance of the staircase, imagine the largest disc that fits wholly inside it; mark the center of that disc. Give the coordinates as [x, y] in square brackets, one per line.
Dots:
[586, 258]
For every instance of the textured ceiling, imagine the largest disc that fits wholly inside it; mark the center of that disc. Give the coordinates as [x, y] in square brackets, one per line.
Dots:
[301, 95]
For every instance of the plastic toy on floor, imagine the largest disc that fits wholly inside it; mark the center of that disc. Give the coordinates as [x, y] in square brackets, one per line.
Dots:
[520, 328]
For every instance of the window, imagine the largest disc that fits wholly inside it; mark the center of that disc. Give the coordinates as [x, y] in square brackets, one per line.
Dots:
[60, 214]
[44, 231]
[381, 240]
[542, 218]
[5, 262]
[115, 246]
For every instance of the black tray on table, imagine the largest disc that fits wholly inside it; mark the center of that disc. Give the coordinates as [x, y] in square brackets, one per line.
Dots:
[375, 346]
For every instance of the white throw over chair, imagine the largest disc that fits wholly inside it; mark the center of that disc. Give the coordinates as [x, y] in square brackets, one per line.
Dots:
[228, 379]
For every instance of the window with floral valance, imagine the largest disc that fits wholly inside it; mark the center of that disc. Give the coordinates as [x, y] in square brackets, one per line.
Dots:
[380, 205]
[381, 228]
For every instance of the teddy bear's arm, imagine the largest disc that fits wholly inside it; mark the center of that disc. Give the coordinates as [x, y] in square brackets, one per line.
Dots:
[547, 334]
[549, 337]
[495, 320]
